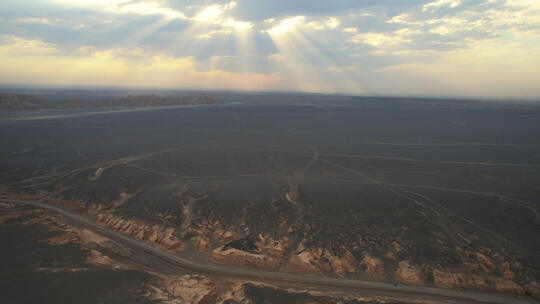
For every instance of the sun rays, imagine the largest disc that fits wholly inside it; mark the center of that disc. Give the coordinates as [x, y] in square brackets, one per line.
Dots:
[431, 48]
[307, 66]
[214, 33]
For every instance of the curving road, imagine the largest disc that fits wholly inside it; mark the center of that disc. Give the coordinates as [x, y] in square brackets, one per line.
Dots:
[279, 277]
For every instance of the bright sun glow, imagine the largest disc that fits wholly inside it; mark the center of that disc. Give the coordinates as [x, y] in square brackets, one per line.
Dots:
[211, 14]
[286, 25]
[237, 25]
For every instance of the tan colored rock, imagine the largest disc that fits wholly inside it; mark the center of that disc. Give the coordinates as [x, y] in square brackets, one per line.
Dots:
[341, 266]
[238, 257]
[138, 234]
[304, 262]
[533, 289]
[123, 198]
[95, 209]
[459, 280]
[509, 287]
[202, 242]
[151, 236]
[397, 246]
[223, 235]
[235, 292]
[283, 223]
[86, 236]
[409, 274]
[163, 237]
[97, 258]
[273, 248]
[318, 260]
[228, 236]
[374, 267]
[509, 275]
[188, 289]
[484, 260]
[60, 239]
[97, 174]
[477, 282]
[472, 266]
[218, 233]
[169, 232]
[170, 241]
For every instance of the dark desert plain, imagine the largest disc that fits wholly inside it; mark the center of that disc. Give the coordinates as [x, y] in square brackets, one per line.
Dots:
[272, 198]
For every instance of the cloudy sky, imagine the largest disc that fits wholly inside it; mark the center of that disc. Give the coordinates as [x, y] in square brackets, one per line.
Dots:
[387, 47]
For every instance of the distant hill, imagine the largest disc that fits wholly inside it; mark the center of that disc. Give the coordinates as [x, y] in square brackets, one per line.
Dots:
[26, 102]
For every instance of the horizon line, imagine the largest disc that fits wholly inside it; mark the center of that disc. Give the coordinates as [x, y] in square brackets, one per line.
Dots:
[13, 86]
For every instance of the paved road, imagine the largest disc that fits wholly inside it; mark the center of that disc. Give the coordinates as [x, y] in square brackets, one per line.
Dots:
[251, 274]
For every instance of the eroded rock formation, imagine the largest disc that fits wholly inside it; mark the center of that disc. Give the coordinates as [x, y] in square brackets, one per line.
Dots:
[163, 237]
[409, 274]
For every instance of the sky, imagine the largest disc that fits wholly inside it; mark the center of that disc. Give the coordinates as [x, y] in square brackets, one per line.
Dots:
[483, 48]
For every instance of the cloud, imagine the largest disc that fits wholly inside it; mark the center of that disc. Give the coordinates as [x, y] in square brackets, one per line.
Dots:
[307, 44]
[286, 25]
[17, 46]
[36, 61]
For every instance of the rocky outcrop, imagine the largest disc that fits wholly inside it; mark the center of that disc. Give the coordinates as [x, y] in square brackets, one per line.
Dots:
[508, 286]
[123, 198]
[533, 289]
[223, 235]
[304, 262]
[485, 263]
[234, 256]
[292, 196]
[86, 237]
[409, 274]
[201, 242]
[186, 289]
[459, 280]
[234, 293]
[475, 281]
[65, 233]
[60, 239]
[97, 258]
[257, 292]
[272, 247]
[374, 267]
[319, 260]
[262, 252]
[163, 237]
[341, 265]
[97, 174]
